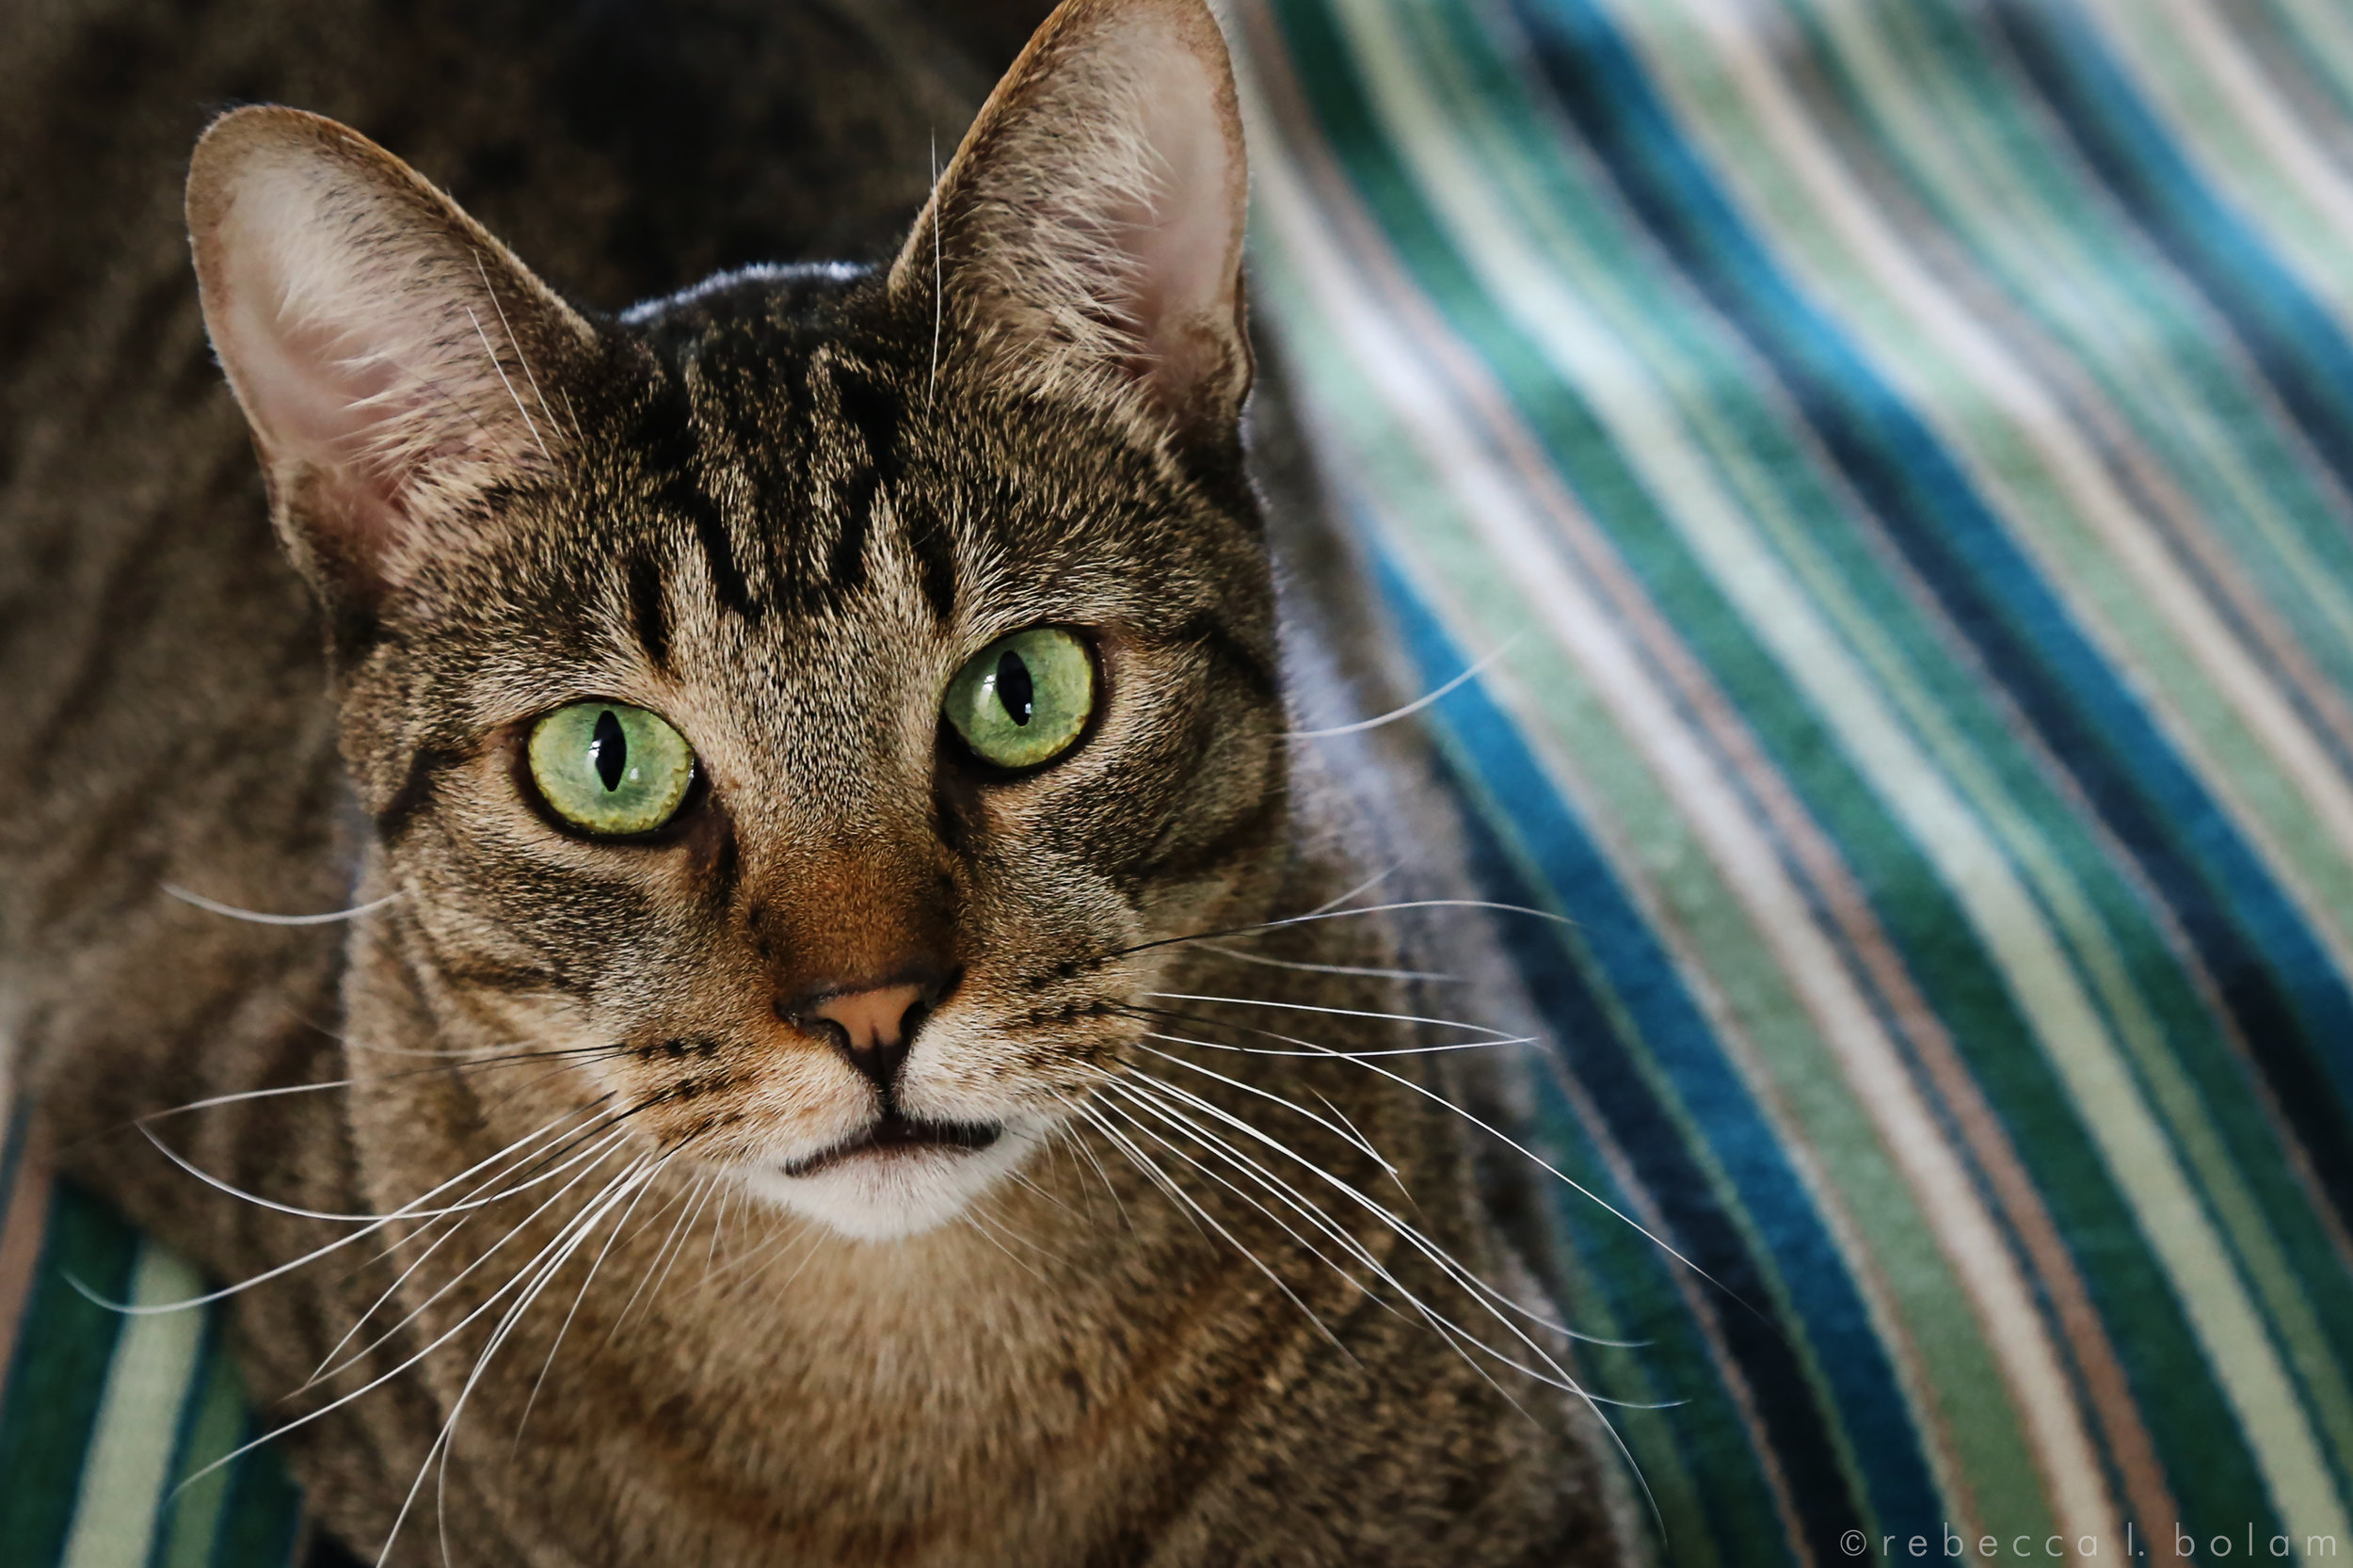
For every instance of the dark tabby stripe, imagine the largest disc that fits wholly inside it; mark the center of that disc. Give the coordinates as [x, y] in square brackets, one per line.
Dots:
[650, 609]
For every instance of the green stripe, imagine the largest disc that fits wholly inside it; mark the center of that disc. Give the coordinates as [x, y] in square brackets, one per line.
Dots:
[2191, 1071]
[199, 1501]
[262, 1517]
[2133, 1294]
[1483, 104]
[60, 1376]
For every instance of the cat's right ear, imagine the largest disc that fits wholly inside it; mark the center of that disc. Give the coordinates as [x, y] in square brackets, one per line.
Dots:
[1087, 236]
[395, 361]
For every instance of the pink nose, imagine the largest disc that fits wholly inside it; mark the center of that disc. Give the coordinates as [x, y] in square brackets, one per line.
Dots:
[872, 1020]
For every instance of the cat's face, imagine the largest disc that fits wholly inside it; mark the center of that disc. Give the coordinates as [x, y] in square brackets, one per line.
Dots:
[796, 710]
[767, 538]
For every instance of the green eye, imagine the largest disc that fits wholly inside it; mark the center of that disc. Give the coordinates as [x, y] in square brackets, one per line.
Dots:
[606, 767]
[1022, 699]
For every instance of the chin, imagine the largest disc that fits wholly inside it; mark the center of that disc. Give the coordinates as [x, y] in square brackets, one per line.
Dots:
[888, 1193]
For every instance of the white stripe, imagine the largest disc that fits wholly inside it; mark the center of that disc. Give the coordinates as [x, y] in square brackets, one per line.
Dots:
[1925, 344]
[1649, 435]
[2229, 1327]
[127, 1467]
[1909, 1131]
[2128, 1134]
[2235, 128]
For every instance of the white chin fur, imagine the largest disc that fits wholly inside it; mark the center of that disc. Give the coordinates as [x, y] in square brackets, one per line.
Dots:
[881, 1197]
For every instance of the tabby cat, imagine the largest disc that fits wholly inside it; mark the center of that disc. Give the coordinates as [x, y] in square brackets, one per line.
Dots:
[862, 1033]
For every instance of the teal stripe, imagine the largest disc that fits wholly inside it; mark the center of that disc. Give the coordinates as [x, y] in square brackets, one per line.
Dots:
[60, 1376]
[1861, 1388]
[214, 1421]
[1530, 852]
[2218, 1080]
[2186, 1406]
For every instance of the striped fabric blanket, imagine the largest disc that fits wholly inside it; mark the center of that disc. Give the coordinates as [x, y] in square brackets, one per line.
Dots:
[1898, 455]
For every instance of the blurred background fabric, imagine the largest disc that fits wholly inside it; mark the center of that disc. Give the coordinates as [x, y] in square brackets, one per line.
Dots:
[1902, 451]
[1899, 455]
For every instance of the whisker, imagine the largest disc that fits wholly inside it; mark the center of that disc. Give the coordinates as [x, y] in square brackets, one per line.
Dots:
[680, 1228]
[1202, 1216]
[939, 301]
[1410, 709]
[377, 1382]
[582, 1294]
[1427, 975]
[514, 1230]
[134, 1310]
[1138, 1083]
[1365, 887]
[509, 1058]
[1532, 1158]
[1309, 1047]
[418, 1262]
[1333, 1012]
[1289, 1199]
[1453, 1334]
[741, 1269]
[1069, 1133]
[529, 423]
[214, 907]
[260, 1202]
[972, 1221]
[1134, 1083]
[567, 1240]
[517, 344]
[1347, 1135]
[390, 1291]
[1329, 914]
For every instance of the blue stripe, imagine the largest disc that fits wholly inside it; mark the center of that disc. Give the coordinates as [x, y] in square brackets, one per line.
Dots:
[1845, 1352]
[2277, 981]
[2292, 337]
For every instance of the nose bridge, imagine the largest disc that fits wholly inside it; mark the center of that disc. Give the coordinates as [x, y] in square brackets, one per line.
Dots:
[858, 914]
[843, 880]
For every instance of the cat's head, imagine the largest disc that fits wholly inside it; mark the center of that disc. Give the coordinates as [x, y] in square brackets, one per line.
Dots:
[794, 708]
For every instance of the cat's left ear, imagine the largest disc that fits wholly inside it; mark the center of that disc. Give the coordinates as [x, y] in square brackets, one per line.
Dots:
[1087, 236]
[395, 360]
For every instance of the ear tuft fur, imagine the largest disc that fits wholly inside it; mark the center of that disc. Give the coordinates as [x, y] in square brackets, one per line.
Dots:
[395, 361]
[1087, 236]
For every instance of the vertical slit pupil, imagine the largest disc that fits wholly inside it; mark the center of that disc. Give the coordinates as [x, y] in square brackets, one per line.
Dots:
[1015, 689]
[608, 749]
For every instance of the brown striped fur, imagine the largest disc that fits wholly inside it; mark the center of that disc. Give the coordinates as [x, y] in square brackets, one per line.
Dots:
[779, 508]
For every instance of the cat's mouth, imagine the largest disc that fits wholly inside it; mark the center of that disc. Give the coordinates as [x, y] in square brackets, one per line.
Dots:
[894, 1134]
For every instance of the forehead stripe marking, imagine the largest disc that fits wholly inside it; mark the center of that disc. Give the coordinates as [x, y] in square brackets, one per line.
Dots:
[728, 582]
[650, 608]
[667, 433]
[871, 410]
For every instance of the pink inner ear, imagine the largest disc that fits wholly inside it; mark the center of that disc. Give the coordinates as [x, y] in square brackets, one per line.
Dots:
[1094, 214]
[356, 329]
[1186, 243]
[310, 389]
[317, 399]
